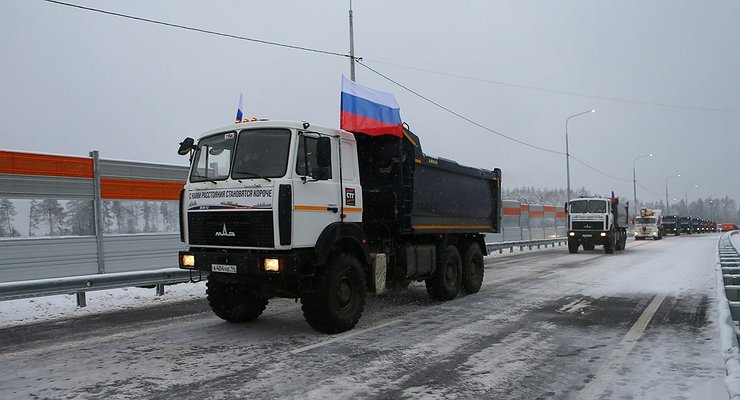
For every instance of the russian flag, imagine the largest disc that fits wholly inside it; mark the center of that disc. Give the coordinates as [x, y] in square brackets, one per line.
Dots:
[239, 112]
[369, 111]
[614, 198]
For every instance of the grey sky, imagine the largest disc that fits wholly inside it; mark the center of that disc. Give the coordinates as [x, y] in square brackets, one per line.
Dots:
[73, 81]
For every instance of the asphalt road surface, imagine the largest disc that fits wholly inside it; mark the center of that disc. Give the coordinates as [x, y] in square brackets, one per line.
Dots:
[638, 324]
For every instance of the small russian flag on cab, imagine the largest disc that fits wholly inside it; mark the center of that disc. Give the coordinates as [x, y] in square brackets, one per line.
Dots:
[614, 198]
[369, 111]
[239, 112]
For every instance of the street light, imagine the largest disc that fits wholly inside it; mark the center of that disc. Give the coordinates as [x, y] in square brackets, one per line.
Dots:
[667, 208]
[567, 153]
[634, 179]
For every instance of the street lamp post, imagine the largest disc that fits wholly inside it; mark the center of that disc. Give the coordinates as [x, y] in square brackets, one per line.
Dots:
[686, 194]
[667, 207]
[567, 153]
[634, 179]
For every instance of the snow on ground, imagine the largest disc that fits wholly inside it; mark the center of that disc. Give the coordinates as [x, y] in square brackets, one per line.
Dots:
[24, 311]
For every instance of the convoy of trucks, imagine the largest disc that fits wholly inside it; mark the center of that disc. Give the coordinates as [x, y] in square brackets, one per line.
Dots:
[597, 221]
[294, 210]
[648, 224]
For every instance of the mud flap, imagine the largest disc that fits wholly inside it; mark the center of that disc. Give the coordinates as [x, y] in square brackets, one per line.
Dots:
[378, 272]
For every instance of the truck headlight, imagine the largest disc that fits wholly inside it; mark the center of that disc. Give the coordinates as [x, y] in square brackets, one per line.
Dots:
[571, 233]
[187, 260]
[603, 234]
[273, 264]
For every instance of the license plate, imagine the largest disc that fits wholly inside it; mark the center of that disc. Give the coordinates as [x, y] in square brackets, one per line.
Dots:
[586, 235]
[228, 269]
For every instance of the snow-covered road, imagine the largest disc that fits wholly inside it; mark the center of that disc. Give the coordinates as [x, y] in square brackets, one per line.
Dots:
[639, 324]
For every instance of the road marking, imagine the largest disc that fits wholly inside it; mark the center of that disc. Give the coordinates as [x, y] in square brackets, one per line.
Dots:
[348, 335]
[607, 373]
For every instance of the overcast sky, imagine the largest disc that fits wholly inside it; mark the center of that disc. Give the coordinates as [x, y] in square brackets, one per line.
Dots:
[664, 77]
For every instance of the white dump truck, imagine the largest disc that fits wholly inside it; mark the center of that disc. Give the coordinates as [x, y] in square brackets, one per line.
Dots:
[596, 221]
[294, 210]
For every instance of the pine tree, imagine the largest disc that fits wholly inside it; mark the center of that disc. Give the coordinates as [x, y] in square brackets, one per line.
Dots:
[80, 217]
[47, 214]
[7, 212]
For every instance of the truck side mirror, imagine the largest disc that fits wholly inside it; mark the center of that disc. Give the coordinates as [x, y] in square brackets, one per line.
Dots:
[185, 146]
[323, 152]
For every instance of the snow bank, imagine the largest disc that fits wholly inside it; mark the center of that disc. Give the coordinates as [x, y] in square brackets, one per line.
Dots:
[23, 311]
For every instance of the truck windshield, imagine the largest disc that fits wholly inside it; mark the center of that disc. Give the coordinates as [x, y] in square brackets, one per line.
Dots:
[588, 206]
[669, 219]
[261, 153]
[646, 220]
[213, 157]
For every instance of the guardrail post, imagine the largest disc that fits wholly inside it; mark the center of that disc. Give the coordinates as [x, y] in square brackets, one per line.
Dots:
[160, 289]
[81, 299]
[98, 211]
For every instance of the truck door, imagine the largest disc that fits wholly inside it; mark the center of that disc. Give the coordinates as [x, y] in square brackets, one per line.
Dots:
[316, 194]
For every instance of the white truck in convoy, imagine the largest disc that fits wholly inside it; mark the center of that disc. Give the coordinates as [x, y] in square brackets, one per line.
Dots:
[596, 221]
[648, 225]
[293, 210]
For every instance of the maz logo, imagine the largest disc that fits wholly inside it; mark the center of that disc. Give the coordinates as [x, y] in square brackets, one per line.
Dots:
[225, 232]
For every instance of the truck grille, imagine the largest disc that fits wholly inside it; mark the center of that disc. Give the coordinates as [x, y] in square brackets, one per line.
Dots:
[588, 225]
[231, 228]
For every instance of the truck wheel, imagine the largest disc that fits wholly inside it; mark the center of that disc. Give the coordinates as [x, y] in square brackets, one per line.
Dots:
[610, 244]
[337, 300]
[621, 242]
[472, 269]
[234, 302]
[573, 246]
[445, 284]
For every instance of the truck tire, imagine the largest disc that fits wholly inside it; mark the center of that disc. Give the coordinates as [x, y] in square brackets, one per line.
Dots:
[621, 242]
[610, 243]
[573, 246]
[445, 284]
[472, 269]
[234, 302]
[336, 301]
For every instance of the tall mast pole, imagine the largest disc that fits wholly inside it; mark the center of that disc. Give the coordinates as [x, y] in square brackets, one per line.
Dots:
[351, 45]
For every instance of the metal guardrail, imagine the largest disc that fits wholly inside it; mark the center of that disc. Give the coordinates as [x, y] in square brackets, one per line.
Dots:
[85, 283]
[728, 298]
[81, 284]
[521, 244]
[729, 262]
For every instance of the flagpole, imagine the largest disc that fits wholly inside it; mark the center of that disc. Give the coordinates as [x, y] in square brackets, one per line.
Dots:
[351, 45]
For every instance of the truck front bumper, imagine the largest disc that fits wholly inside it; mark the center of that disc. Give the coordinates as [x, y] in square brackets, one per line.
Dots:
[248, 263]
[595, 237]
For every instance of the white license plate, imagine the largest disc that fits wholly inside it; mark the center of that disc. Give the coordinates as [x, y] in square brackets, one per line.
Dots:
[229, 269]
[586, 235]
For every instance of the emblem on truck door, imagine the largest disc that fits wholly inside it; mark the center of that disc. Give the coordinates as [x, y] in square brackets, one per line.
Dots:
[225, 232]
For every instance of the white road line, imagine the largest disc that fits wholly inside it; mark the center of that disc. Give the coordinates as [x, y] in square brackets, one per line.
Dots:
[607, 373]
[344, 336]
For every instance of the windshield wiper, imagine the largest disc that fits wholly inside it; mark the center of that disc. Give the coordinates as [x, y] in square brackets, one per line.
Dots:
[252, 174]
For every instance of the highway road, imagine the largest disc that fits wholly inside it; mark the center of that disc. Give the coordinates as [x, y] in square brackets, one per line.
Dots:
[638, 324]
